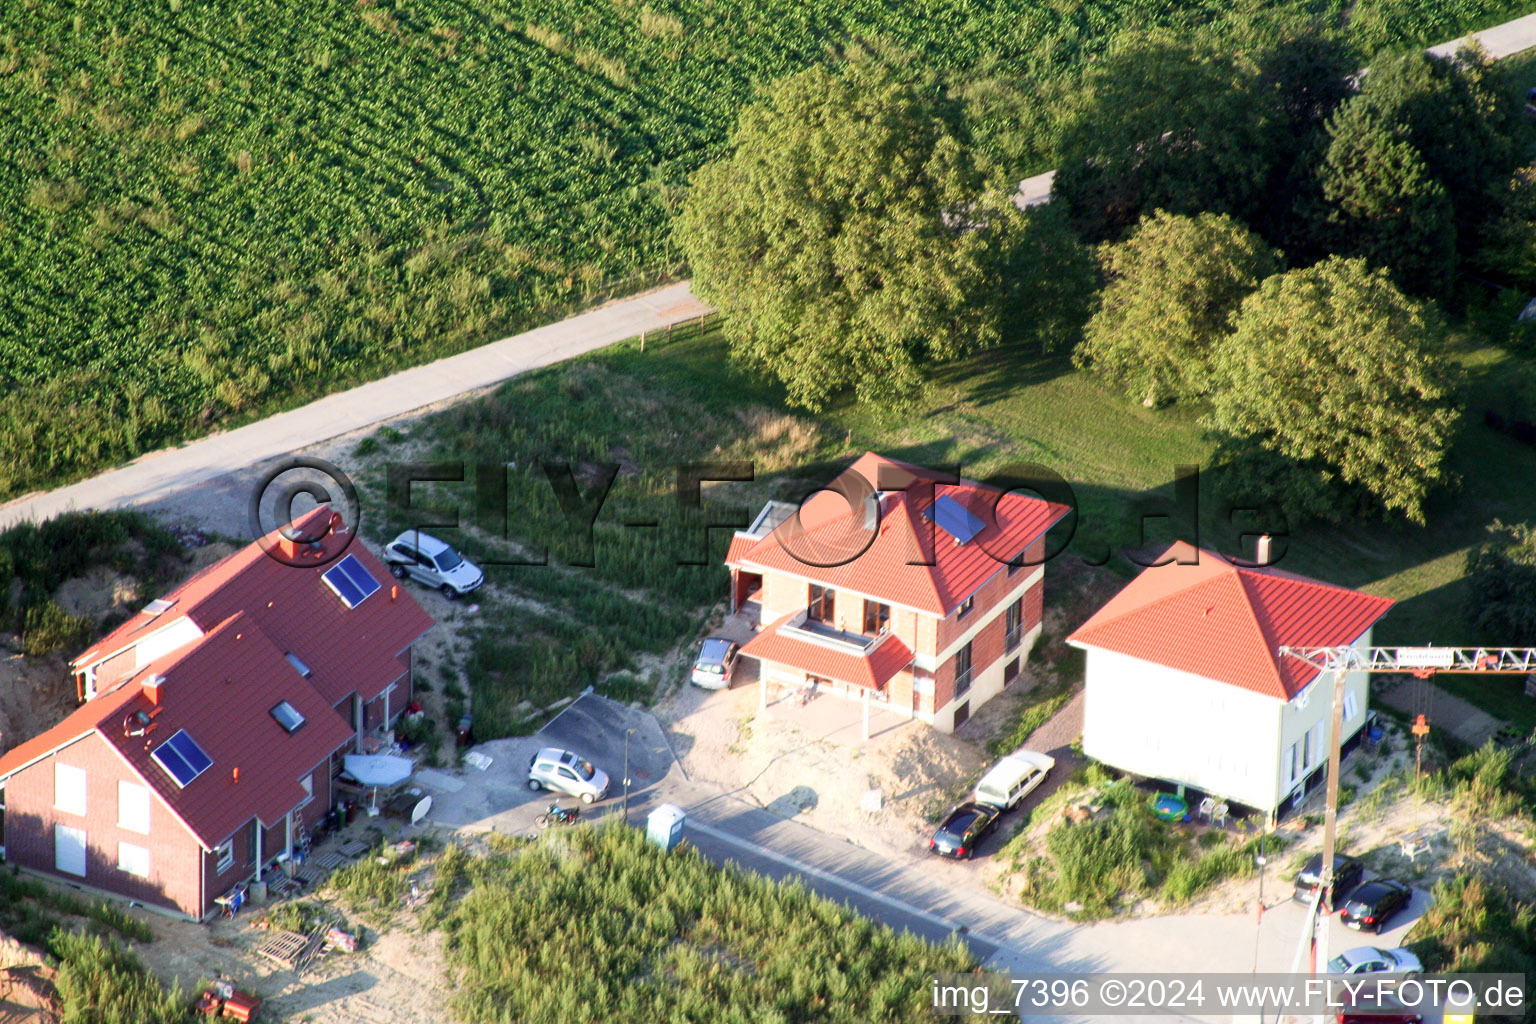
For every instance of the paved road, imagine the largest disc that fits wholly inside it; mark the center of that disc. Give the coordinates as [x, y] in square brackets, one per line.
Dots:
[160, 474]
[931, 898]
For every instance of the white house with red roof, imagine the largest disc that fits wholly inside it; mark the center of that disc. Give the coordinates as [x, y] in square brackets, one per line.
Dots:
[895, 587]
[214, 723]
[1184, 683]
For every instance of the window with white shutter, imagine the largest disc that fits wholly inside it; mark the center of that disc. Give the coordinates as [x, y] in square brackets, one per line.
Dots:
[68, 788]
[133, 860]
[133, 808]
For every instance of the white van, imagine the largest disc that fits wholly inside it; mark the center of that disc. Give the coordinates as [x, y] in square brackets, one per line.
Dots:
[1013, 778]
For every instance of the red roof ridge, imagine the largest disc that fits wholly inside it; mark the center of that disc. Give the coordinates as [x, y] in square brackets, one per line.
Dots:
[1263, 608]
[904, 563]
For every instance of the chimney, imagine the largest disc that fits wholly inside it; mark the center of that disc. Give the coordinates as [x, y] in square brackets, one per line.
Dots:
[154, 689]
[1262, 557]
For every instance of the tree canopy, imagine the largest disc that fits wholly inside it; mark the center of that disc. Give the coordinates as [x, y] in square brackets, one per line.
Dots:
[1458, 119]
[1502, 576]
[1338, 372]
[1162, 124]
[1387, 205]
[847, 235]
[1172, 287]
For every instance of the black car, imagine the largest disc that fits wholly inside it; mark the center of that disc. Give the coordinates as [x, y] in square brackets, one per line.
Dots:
[1374, 903]
[963, 829]
[1347, 873]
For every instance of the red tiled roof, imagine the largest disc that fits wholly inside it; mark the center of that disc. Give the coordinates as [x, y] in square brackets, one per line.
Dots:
[1226, 622]
[221, 691]
[871, 670]
[348, 649]
[830, 535]
[739, 547]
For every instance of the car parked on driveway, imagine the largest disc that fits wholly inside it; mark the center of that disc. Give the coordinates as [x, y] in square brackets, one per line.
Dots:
[1373, 904]
[424, 558]
[1347, 873]
[1371, 960]
[712, 668]
[963, 828]
[564, 772]
[1013, 778]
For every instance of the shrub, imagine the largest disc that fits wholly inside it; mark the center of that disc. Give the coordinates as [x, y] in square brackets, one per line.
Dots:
[598, 924]
[99, 982]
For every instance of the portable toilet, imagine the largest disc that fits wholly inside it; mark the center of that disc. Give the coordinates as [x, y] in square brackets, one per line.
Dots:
[664, 826]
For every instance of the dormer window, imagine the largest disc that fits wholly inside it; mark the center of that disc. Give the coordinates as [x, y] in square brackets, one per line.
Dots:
[965, 607]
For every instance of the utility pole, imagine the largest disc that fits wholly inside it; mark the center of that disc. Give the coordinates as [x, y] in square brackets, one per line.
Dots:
[628, 733]
[1330, 822]
[1422, 662]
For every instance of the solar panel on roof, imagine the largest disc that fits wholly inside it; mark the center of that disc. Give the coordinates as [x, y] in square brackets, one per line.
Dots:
[954, 519]
[182, 759]
[350, 581]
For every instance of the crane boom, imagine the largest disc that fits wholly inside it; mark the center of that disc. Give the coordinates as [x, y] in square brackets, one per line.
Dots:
[1417, 659]
[1421, 661]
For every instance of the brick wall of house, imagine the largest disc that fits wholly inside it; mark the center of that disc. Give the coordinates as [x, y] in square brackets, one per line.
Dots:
[990, 598]
[242, 867]
[174, 855]
[781, 595]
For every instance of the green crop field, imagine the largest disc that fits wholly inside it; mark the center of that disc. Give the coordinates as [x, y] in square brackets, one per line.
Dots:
[210, 209]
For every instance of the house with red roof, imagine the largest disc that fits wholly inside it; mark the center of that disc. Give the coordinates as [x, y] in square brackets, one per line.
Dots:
[1184, 682]
[895, 586]
[214, 723]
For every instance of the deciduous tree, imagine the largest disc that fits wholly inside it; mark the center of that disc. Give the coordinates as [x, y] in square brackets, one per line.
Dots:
[1172, 287]
[1387, 206]
[1502, 576]
[846, 236]
[1162, 124]
[1335, 369]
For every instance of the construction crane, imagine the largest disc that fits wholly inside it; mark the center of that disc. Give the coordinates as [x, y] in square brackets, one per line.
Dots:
[1421, 662]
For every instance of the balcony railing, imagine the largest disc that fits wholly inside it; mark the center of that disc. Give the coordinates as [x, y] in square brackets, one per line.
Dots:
[815, 629]
[962, 682]
[1012, 638]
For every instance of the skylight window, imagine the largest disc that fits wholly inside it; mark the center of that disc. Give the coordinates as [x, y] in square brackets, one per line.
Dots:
[954, 519]
[297, 663]
[157, 606]
[182, 759]
[287, 716]
[350, 581]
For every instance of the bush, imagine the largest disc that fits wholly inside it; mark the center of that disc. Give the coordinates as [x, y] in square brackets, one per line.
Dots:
[599, 925]
[1098, 863]
[376, 882]
[46, 627]
[1473, 925]
[99, 982]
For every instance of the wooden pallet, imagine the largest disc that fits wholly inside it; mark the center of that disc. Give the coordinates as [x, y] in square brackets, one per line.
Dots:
[310, 873]
[286, 949]
[331, 859]
[284, 886]
[354, 847]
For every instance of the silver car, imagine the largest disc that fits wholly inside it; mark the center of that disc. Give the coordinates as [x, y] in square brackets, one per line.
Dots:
[1371, 960]
[424, 558]
[563, 772]
[712, 669]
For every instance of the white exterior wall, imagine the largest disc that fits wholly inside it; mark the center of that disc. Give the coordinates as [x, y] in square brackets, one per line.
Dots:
[1159, 722]
[1312, 711]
